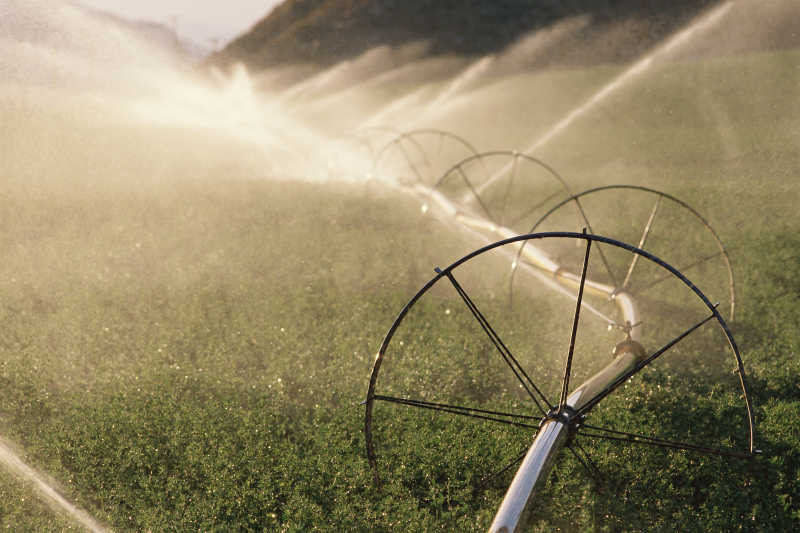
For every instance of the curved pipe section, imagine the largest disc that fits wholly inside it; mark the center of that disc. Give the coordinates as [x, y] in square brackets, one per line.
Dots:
[530, 477]
[622, 187]
[557, 277]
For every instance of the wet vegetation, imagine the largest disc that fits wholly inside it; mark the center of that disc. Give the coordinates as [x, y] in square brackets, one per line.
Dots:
[185, 344]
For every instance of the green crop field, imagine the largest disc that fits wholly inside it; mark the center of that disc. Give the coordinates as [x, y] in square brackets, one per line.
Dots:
[186, 341]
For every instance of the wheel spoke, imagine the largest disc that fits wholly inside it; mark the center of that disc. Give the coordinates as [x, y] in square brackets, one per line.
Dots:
[599, 248]
[411, 162]
[562, 290]
[532, 210]
[486, 174]
[510, 185]
[583, 457]
[475, 193]
[485, 481]
[684, 269]
[470, 412]
[640, 365]
[568, 368]
[635, 438]
[642, 242]
[498, 343]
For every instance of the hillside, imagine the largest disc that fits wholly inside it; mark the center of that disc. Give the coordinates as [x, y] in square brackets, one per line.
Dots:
[323, 32]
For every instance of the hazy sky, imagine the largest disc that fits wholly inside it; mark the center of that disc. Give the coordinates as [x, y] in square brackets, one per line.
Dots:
[200, 20]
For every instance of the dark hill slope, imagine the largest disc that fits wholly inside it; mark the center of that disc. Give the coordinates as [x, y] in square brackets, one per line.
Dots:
[326, 31]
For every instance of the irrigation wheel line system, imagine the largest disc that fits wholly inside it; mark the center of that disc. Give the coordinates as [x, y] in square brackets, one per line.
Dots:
[471, 214]
[563, 422]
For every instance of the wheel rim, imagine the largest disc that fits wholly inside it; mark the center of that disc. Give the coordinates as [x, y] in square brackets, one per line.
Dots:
[525, 420]
[491, 179]
[417, 159]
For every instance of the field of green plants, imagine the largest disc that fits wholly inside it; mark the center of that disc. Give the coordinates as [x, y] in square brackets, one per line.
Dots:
[185, 344]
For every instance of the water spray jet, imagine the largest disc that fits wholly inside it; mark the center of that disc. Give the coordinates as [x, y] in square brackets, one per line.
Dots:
[626, 77]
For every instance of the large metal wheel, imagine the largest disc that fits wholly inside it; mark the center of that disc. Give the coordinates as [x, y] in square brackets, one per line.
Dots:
[491, 184]
[420, 156]
[497, 380]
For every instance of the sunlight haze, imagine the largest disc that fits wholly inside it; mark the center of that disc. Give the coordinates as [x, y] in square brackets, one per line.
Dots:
[204, 22]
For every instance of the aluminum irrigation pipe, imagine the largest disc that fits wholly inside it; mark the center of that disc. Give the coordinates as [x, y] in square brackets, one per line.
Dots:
[563, 421]
[556, 277]
[554, 432]
[550, 439]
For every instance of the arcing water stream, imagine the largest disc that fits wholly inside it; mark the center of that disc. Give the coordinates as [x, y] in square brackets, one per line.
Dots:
[704, 22]
[701, 24]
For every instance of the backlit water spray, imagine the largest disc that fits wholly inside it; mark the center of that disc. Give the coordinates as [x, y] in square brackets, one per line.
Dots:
[473, 72]
[67, 76]
[682, 37]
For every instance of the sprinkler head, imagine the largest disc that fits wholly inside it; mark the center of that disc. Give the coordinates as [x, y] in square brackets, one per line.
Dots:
[629, 346]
